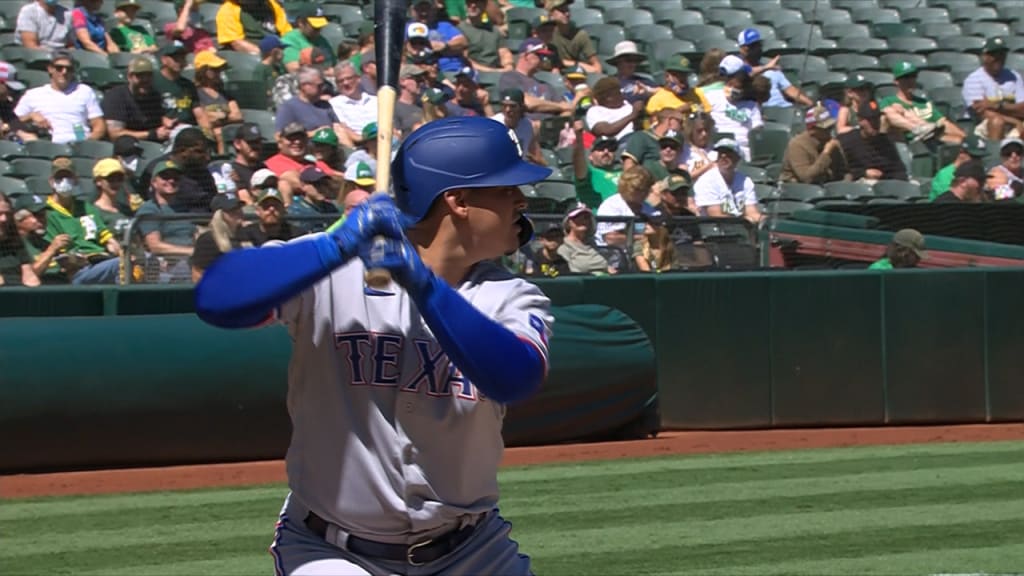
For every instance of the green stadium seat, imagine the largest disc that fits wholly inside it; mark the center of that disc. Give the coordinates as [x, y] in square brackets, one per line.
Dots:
[264, 118]
[35, 59]
[889, 30]
[795, 31]
[787, 116]
[343, 13]
[830, 16]
[972, 44]
[777, 16]
[899, 4]
[334, 33]
[84, 58]
[936, 30]
[801, 192]
[818, 45]
[765, 192]
[696, 32]
[874, 46]
[604, 5]
[923, 14]
[949, 99]
[101, 78]
[900, 189]
[120, 60]
[1015, 61]
[679, 18]
[252, 94]
[661, 50]
[10, 149]
[962, 13]
[648, 33]
[605, 37]
[848, 190]
[550, 128]
[757, 5]
[889, 60]
[849, 62]
[913, 44]
[582, 16]
[726, 17]
[159, 12]
[628, 17]
[785, 207]
[877, 77]
[46, 149]
[868, 13]
[239, 60]
[14, 186]
[767, 146]
[28, 167]
[724, 44]
[93, 149]
[839, 31]
[5, 168]
[809, 64]
[523, 14]
[985, 29]
[558, 190]
[886, 201]
[953, 61]
[33, 78]
[930, 79]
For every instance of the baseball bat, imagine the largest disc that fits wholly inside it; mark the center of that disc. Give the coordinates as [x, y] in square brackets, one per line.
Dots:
[389, 38]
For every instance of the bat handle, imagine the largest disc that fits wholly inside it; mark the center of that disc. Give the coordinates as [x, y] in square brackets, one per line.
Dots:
[378, 278]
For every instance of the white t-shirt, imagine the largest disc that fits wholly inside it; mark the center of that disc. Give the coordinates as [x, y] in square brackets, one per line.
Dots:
[63, 110]
[736, 118]
[355, 114]
[1006, 87]
[712, 190]
[696, 158]
[615, 205]
[598, 114]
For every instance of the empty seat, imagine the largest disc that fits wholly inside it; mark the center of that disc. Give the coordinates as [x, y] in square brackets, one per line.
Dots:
[985, 29]
[605, 37]
[46, 149]
[801, 192]
[850, 190]
[767, 146]
[911, 44]
[900, 189]
[728, 17]
[925, 14]
[93, 149]
[627, 17]
[849, 62]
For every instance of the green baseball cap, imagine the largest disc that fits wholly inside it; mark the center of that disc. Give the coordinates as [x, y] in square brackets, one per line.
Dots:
[857, 80]
[974, 146]
[994, 45]
[269, 194]
[369, 131]
[166, 166]
[29, 202]
[325, 136]
[678, 63]
[902, 69]
[361, 174]
[679, 181]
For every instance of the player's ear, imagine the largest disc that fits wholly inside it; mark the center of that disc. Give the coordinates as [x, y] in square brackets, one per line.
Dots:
[456, 202]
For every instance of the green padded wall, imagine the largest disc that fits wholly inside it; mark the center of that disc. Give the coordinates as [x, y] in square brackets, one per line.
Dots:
[1004, 332]
[826, 358]
[934, 346]
[712, 350]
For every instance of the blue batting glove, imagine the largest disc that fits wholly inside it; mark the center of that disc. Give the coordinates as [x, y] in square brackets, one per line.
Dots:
[377, 216]
[399, 257]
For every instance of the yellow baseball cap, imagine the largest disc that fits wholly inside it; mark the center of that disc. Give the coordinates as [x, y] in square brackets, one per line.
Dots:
[104, 168]
[208, 59]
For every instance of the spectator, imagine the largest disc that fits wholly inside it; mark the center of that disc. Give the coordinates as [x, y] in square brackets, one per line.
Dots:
[905, 251]
[367, 148]
[261, 180]
[329, 155]
[626, 58]
[709, 64]
[94, 246]
[433, 101]
[578, 248]
[169, 241]
[972, 148]
[672, 200]
[188, 28]
[814, 156]
[270, 66]
[858, 92]
[655, 251]
[353, 109]
[90, 31]
[644, 148]
[241, 24]
[307, 108]
[783, 93]
[111, 201]
[597, 178]
[512, 115]
[11, 91]
[417, 38]
[572, 44]
[696, 155]
[914, 116]
[732, 111]
[995, 94]
[178, 94]
[870, 155]
[611, 115]
[486, 50]
[43, 24]
[724, 191]
[408, 115]
[270, 222]
[576, 88]
[128, 151]
[1005, 178]
[286, 86]
[222, 235]
[547, 262]
[15, 262]
[445, 39]
[543, 27]
[359, 184]
[248, 144]
[634, 187]
[136, 109]
[127, 36]
[541, 99]
[368, 79]
[309, 20]
[315, 198]
[470, 99]
[67, 109]
[216, 108]
[427, 60]
[190, 153]
[51, 262]
[291, 159]
[967, 187]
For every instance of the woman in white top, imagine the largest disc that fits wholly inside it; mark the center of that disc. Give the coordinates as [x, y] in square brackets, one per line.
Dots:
[731, 109]
[696, 154]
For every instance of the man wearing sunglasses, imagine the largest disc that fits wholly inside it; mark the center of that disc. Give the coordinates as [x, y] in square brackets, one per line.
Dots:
[67, 109]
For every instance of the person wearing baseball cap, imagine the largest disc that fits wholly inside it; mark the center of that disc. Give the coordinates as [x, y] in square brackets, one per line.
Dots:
[470, 99]
[447, 41]
[178, 93]
[410, 84]
[724, 191]
[1006, 179]
[358, 186]
[242, 24]
[871, 155]
[857, 89]
[136, 108]
[15, 261]
[676, 199]
[611, 115]
[513, 116]
[128, 36]
[905, 251]
[651, 147]
[912, 114]
[111, 201]
[315, 198]
[969, 184]
[170, 239]
[487, 50]
[578, 247]
[814, 156]
[262, 178]
[572, 43]
[972, 148]
[676, 93]
[729, 104]
[309, 20]
[221, 236]
[51, 262]
[783, 93]
[330, 156]
[541, 99]
[995, 94]
[271, 222]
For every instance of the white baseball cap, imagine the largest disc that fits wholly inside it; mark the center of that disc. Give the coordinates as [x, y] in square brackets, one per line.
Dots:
[260, 177]
[732, 65]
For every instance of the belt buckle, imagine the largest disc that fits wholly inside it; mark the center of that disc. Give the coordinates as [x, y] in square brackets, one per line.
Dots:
[412, 552]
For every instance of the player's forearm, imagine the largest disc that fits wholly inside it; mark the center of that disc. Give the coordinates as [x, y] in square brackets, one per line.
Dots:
[243, 287]
[503, 366]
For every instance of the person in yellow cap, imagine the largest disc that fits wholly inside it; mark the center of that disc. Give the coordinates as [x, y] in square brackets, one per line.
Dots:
[216, 109]
[111, 201]
[309, 20]
[128, 36]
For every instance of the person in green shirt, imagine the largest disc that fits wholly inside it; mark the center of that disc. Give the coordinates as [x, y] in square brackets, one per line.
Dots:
[309, 19]
[128, 36]
[972, 148]
[51, 262]
[179, 95]
[89, 236]
[914, 115]
[269, 68]
[487, 50]
[597, 176]
[905, 251]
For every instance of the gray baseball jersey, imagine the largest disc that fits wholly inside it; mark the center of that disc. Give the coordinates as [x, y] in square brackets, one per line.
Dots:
[388, 438]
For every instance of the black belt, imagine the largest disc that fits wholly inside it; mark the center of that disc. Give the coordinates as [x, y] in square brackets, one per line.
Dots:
[415, 554]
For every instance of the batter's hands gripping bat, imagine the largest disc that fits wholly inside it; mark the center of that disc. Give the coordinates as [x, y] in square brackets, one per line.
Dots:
[389, 37]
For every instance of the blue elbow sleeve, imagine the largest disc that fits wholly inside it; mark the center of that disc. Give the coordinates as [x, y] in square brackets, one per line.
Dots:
[498, 362]
[243, 287]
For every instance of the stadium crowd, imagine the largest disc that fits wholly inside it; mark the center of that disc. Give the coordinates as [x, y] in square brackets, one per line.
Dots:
[204, 127]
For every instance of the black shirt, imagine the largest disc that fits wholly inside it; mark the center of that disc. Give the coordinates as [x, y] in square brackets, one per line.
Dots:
[946, 198]
[245, 173]
[135, 111]
[257, 237]
[877, 152]
[12, 256]
[196, 188]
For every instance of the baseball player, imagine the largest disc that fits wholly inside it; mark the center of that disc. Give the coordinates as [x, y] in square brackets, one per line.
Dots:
[397, 395]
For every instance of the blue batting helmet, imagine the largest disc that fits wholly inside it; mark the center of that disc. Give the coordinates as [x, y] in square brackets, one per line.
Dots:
[453, 153]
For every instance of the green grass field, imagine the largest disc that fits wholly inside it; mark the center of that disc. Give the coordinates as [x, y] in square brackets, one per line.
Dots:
[920, 509]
